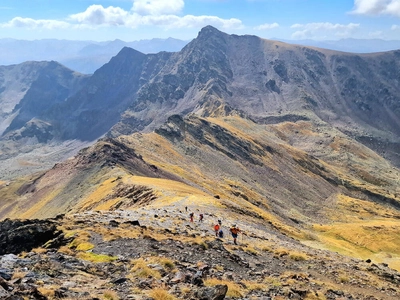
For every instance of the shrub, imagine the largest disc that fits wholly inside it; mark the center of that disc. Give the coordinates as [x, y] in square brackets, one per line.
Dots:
[140, 269]
[298, 256]
[160, 294]
[110, 295]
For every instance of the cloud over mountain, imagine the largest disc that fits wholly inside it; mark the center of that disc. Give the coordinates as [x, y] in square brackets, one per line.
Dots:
[319, 30]
[377, 7]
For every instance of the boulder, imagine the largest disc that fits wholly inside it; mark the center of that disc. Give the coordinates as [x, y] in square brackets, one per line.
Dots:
[217, 292]
[23, 235]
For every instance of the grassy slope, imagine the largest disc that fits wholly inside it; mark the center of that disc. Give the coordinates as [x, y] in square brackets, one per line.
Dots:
[280, 182]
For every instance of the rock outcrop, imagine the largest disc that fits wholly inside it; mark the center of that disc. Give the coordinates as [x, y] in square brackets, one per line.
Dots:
[24, 235]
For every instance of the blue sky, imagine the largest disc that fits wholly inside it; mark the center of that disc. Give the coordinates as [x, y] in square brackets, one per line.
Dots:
[131, 20]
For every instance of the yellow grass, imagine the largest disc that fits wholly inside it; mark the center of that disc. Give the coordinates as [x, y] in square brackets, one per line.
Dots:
[102, 190]
[110, 295]
[304, 128]
[17, 275]
[160, 294]
[350, 209]
[96, 258]
[66, 250]
[39, 250]
[47, 292]
[82, 237]
[114, 233]
[140, 269]
[84, 246]
[270, 280]
[40, 206]
[315, 296]
[250, 249]
[298, 256]
[253, 286]
[376, 239]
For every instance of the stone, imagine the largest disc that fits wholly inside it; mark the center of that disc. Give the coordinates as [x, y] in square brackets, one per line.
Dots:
[119, 280]
[198, 279]
[179, 277]
[228, 276]
[6, 274]
[217, 292]
[24, 235]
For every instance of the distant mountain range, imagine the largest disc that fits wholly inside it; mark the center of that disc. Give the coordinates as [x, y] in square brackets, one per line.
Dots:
[81, 56]
[87, 56]
[350, 45]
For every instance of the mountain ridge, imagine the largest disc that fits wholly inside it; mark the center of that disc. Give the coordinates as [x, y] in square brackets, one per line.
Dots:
[214, 73]
[289, 143]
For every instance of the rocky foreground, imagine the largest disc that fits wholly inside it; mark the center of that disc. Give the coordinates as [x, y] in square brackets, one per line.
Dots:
[159, 254]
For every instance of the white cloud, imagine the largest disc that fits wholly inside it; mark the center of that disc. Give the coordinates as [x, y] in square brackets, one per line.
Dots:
[266, 26]
[29, 23]
[159, 13]
[157, 7]
[376, 34]
[98, 15]
[323, 30]
[377, 7]
[395, 27]
[172, 21]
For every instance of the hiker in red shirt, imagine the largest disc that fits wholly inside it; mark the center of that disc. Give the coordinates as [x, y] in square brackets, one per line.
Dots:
[216, 229]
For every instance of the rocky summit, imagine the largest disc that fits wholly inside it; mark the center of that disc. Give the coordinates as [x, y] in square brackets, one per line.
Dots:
[296, 146]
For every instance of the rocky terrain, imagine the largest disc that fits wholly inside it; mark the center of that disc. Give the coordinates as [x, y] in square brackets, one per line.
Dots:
[297, 146]
[156, 253]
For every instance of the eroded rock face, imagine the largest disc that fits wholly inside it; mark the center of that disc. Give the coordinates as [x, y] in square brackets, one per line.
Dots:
[23, 235]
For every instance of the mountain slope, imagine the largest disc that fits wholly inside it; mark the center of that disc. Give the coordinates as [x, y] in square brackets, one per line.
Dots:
[268, 81]
[218, 74]
[294, 176]
[269, 129]
[30, 88]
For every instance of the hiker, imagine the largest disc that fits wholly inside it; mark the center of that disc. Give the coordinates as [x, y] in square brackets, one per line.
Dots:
[220, 222]
[201, 218]
[186, 208]
[235, 231]
[191, 217]
[216, 229]
[221, 234]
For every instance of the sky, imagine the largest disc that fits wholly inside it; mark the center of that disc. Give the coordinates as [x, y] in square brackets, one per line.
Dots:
[131, 20]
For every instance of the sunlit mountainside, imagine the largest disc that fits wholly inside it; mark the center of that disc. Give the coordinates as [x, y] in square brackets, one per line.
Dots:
[297, 146]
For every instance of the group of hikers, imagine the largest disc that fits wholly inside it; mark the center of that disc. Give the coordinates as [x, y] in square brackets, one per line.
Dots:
[234, 230]
[219, 232]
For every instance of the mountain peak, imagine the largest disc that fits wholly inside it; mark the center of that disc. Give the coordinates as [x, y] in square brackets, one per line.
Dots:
[209, 31]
